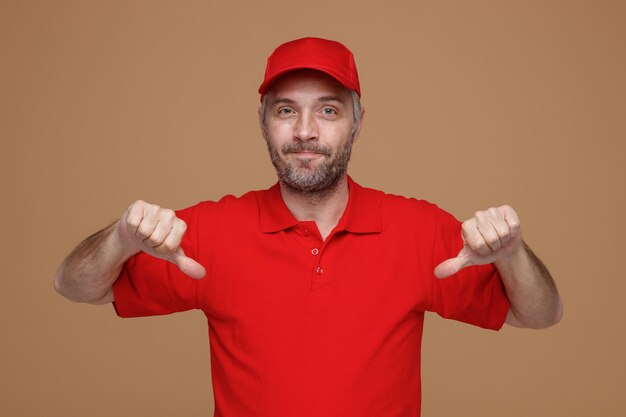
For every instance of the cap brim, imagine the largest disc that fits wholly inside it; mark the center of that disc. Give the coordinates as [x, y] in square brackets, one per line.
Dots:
[342, 80]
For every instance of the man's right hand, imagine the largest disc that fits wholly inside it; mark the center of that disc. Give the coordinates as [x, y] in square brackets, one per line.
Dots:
[158, 232]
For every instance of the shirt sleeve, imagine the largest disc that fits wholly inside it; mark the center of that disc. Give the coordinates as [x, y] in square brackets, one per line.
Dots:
[475, 294]
[149, 286]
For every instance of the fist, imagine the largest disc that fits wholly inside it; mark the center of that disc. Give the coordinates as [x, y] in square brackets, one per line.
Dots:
[158, 232]
[488, 236]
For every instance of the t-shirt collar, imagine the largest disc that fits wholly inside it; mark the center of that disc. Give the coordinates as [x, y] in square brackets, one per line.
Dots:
[362, 214]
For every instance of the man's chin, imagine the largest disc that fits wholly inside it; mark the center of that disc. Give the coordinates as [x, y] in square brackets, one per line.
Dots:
[303, 180]
[310, 181]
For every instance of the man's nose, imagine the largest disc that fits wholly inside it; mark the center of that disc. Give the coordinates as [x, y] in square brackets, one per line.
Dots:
[305, 128]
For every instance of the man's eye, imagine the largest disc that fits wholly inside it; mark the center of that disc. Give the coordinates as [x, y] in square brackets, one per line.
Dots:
[329, 111]
[285, 111]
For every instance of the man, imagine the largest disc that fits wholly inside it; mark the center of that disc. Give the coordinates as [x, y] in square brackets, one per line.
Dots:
[314, 290]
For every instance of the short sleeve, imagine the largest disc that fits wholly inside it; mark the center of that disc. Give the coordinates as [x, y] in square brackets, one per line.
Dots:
[475, 294]
[149, 286]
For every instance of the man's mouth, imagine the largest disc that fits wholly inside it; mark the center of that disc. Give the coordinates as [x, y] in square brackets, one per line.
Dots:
[307, 152]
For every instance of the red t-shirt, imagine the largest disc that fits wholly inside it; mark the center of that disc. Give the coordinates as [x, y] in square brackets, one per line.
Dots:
[302, 327]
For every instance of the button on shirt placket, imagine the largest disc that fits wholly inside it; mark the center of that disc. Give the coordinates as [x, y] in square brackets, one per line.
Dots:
[319, 280]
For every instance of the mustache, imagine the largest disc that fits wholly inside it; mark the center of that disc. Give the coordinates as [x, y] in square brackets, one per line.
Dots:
[305, 147]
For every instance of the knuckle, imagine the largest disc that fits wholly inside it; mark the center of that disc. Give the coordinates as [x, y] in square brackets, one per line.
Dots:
[476, 246]
[168, 213]
[146, 228]
[160, 250]
[510, 212]
[138, 207]
[170, 246]
[483, 249]
[156, 237]
[132, 222]
[473, 242]
[143, 233]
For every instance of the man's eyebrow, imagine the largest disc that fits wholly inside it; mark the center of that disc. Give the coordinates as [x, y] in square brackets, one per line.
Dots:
[331, 98]
[283, 101]
[322, 99]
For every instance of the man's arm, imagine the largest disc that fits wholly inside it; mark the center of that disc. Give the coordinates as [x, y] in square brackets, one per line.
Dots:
[89, 272]
[494, 236]
[535, 301]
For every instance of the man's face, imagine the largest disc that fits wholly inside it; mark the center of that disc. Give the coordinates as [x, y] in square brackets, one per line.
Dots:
[309, 130]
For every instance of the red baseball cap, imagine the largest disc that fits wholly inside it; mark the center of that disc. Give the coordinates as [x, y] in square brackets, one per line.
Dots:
[331, 57]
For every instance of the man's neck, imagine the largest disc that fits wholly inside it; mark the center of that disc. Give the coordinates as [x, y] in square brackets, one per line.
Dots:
[324, 208]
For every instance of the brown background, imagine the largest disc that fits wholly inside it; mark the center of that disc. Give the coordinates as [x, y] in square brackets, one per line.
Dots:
[469, 104]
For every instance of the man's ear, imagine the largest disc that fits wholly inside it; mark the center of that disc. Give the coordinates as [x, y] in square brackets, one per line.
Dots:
[261, 125]
[355, 135]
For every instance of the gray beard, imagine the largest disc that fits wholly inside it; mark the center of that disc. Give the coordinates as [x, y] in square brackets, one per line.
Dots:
[301, 180]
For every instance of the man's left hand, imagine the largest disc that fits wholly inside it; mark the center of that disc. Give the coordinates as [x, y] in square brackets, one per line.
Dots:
[489, 235]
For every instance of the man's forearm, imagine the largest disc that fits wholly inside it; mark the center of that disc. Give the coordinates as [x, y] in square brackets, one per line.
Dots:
[89, 271]
[535, 301]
